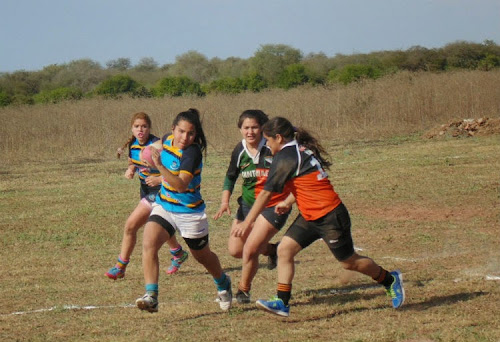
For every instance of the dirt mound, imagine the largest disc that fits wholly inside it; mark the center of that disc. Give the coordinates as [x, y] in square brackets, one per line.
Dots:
[466, 128]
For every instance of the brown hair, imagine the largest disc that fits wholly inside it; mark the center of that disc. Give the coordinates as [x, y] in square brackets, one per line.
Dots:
[283, 127]
[255, 114]
[136, 116]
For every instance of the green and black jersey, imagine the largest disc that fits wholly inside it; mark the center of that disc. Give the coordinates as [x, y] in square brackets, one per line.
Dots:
[253, 170]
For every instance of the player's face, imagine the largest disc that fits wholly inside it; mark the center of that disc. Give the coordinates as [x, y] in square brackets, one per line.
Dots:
[140, 130]
[251, 131]
[184, 134]
[274, 143]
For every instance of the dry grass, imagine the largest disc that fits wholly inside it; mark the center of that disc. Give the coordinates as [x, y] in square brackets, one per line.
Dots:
[398, 105]
[430, 208]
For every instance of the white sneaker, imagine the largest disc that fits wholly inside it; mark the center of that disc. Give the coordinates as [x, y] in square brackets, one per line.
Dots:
[225, 299]
[148, 303]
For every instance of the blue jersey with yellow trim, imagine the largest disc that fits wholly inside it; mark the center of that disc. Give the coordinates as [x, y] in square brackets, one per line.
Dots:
[179, 161]
[134, 152]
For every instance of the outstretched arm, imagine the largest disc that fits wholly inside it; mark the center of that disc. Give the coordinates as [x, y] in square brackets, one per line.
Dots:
[224, 205]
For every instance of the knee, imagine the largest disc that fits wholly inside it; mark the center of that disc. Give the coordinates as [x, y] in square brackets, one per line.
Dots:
[235, 250]
[131, 227]
[250, 252]
[284, 253]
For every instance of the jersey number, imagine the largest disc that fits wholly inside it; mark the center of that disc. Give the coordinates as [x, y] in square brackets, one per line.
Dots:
[322, 174]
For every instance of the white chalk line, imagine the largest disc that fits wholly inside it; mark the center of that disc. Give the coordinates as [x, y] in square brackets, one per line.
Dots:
[96, 307]
[70, 307]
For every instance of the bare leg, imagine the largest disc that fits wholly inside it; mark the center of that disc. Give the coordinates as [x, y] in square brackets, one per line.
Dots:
[362, 265]
[256, 243]
[235, 244]
[136, 220]
[154, 237]
[287, 250]
[209, 260]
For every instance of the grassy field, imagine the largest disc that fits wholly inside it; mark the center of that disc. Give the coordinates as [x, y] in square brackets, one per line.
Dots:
[427, 207]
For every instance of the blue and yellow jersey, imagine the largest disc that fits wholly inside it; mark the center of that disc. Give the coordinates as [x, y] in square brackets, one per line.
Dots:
[134, 152]
[179, 161]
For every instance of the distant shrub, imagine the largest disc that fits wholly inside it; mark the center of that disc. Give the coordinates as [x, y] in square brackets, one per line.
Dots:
[5, 99]
[58, 95]
[254, 82]
[21, 99]
[177, 86]
[142, 91]
[353, 73]
[293, 76]
[116, 85]
[226, 85]
[489, 62]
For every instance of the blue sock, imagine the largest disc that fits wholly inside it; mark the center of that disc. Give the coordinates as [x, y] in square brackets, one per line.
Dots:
[222, 283]
[152, 289]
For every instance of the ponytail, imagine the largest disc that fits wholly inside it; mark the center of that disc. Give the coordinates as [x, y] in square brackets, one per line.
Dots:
[121, 150]
[305, 139]
[283, 127]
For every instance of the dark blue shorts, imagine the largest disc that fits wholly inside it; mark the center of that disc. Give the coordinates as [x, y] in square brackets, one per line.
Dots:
[278, 221]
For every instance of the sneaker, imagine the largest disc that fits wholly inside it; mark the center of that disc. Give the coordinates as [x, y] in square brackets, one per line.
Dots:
[242, 297]
[115, 273]
[396, 291]
[225, 297]
[147, 303]
[177, 262]
[274, 306]
[272, 259]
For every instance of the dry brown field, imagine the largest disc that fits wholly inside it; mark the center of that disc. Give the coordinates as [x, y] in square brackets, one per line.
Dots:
[427, 206]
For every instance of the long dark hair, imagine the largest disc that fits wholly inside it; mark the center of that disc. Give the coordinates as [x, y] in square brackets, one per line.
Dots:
[255, 114]
[283, 127]
[192, 115]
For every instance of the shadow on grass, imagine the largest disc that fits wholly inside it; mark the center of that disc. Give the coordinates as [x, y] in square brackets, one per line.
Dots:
[335, 299]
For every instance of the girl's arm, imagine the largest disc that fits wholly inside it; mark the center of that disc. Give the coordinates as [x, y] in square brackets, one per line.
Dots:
[285, 206]
[129, 174]
[224, 205]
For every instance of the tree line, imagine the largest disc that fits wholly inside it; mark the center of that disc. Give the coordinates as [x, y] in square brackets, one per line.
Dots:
[271, 66]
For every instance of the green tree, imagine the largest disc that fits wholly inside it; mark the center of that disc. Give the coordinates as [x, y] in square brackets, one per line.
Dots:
[353, 73]
[5, 99]
[317, 66]
[194, 66]
[271, 60]
[293, 76]
[227, 85]
[177, 86]
[83, 74]
[120, 64]
[58, 95]
[254, 82]
[146, 64]
[116, 85]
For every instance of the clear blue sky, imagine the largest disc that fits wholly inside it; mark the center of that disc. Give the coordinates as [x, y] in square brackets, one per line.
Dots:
[37, 33]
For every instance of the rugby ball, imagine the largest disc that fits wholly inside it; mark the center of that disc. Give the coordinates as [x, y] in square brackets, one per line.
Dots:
[147, 153]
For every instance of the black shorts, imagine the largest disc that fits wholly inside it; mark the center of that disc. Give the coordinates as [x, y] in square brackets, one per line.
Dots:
[334, 228]
[149, 192]
[278, 221]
